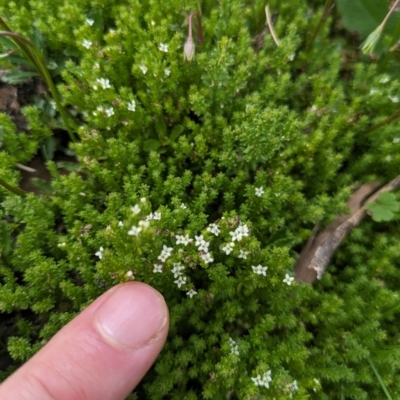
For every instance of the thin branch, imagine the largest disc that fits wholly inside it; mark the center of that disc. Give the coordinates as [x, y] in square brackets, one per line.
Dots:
[271, 26]
[12, 189]
[328, 7]
[387, 120]
[319, 249]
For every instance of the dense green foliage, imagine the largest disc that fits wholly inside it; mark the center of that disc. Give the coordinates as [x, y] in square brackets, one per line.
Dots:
[249, 142]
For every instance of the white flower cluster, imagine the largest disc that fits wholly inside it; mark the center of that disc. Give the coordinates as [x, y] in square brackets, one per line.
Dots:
[155, 216]
[165, 253]
[177, 271]
[202, 246]
[185, 240]
[214, 228]
[260, 270]
[263, 380]
[104, 83]
[99, 253]
[234, 347]
[108, 111]
[239, 233]
[163, 47]
[86, 43]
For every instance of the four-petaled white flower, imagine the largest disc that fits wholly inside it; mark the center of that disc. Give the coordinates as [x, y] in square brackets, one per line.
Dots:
[293, 386]
[199, 240]
[191, 293]
[234, 347]
[259, 191]
[86, 43]
[228, 248]
[260, 270]
[120, 223]
[163, 47]
[167, 71]
[99, 253]
[183, 206]
[157, 215]
[136, 209]
[207, 258]
[165, 253]
[134, 231]
[104, 83]
[214, 228]
[144, 224]
[395, 99]
[132, 105]
[178, 267]
[263, 380]
[185, 240]
[157, 268]
[239, 232]
[90, 21]
[243, 254]
[204, 246]
[143, 68]
[180, 281]
[288, 279]
[109, 111]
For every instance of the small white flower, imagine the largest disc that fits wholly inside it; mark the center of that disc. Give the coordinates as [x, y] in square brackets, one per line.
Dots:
[165, 253]
[204, 246]
[86, 43]
[150, 217]
[129, 274]
[292, 57]
[199, 240]
[177, 269]
[384, 79]
[260, 270]
[157, 268]
[90, 21]
[395, 99]
[163, 47]
[143, 68]
[99, 253]
[373, 91]
[109, 111]
[167, 71]
[191, 293]
[180, 281]
[144, 224]
[259, 191]
[157, 215]
[288, 279]
[214, 228]
[104, 83]
[243, 254]
[263, 380]
[120, 223]
[293, 386]
[136, 209]
[183, 206]
[134, 231]
[207, 258]
[228, 248]
[396, 140]
[185, 240]
[234, 347]
[132, 105]
[240, 231]
[63, 244]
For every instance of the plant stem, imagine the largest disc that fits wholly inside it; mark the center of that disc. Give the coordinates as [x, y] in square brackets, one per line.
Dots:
[327, 8]
[271, 26]
[34, 55]
[389, 13]
[389, 119]
[12, 189]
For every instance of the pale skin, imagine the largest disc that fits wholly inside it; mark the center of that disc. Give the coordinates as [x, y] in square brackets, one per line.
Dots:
[102, 354]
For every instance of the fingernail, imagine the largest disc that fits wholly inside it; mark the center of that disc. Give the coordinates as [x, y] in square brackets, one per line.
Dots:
[132, 316]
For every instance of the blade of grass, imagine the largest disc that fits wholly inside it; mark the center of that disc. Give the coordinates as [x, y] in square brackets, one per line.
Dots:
[379, 379]
[12, 189]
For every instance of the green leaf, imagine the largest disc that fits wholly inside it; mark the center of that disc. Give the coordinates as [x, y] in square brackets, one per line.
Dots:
[176, 132]
[17, 77]
[49, 147]
[362, 16]
[382, 209]
[151, 145]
